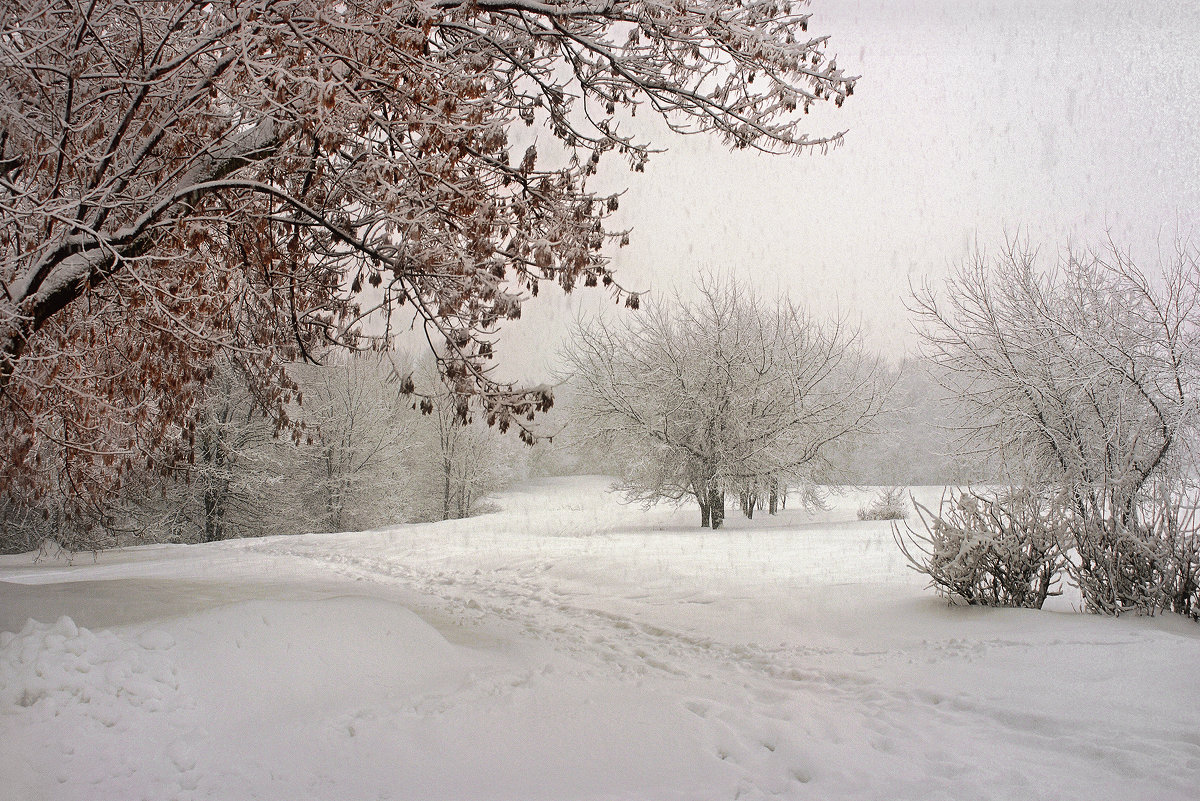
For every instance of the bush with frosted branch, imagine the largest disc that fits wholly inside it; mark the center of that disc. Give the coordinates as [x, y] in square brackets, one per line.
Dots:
[1001, 550]
[1145, 560]
[889, 504]
[1081, 377]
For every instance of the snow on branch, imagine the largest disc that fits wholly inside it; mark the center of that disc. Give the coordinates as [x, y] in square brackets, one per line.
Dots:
[178, 179]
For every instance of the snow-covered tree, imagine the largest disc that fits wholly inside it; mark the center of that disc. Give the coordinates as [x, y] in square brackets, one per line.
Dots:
[725, 392]
[232, 484]
[235, 463]
[179, 179]
[1082, 379]
[455, 465]
[360, 434]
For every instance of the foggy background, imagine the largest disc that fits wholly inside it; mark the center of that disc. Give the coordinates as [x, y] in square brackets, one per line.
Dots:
[1064, 122]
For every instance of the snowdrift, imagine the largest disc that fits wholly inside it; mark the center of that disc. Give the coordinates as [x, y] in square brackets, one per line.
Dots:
[573, 647]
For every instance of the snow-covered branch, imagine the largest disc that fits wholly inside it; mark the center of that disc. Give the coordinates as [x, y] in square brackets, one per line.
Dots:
[262, 171]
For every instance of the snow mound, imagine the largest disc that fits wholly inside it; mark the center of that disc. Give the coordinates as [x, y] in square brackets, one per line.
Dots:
[46, 668]
[93, 714]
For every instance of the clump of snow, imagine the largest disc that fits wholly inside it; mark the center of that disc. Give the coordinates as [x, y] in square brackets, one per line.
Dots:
[70, 701]
[52, 667]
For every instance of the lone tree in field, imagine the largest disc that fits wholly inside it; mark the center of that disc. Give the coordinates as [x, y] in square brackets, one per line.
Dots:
[179, 179]
[725, 392]
[1082, 380]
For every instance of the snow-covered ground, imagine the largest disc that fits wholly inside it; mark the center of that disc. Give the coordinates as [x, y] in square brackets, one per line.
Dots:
[571, 647]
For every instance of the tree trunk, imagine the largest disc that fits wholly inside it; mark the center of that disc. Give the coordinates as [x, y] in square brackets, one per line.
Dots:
[333, 491]
[773, 499]
[700, 491]
[716, 507]
[216, 489]
[214, 514]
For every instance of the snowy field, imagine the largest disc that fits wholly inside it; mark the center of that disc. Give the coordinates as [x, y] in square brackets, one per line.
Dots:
[570, 647]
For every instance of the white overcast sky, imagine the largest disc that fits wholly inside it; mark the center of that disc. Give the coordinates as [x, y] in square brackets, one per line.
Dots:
[1065, 120]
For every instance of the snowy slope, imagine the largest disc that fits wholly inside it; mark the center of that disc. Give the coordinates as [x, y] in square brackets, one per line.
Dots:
[571, 647]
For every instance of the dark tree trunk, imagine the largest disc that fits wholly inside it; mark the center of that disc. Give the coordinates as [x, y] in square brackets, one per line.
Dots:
[217, 489]
[700, 491]
[773, 499]
[334, 489]
[464, 501]
[214, 512]
[716, 508]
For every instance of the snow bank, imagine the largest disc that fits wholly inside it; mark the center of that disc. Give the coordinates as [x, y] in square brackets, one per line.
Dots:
[572, 647]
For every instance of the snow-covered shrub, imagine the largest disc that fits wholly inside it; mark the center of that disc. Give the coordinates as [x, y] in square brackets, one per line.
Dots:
[1003, 550]
[1121, 568]
[889, 504]
[1081, 377]
[1184, 589]
[1145, 563]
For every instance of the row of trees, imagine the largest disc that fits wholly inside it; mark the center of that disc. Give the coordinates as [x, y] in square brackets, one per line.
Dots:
[370, 456]
[1081, 384]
